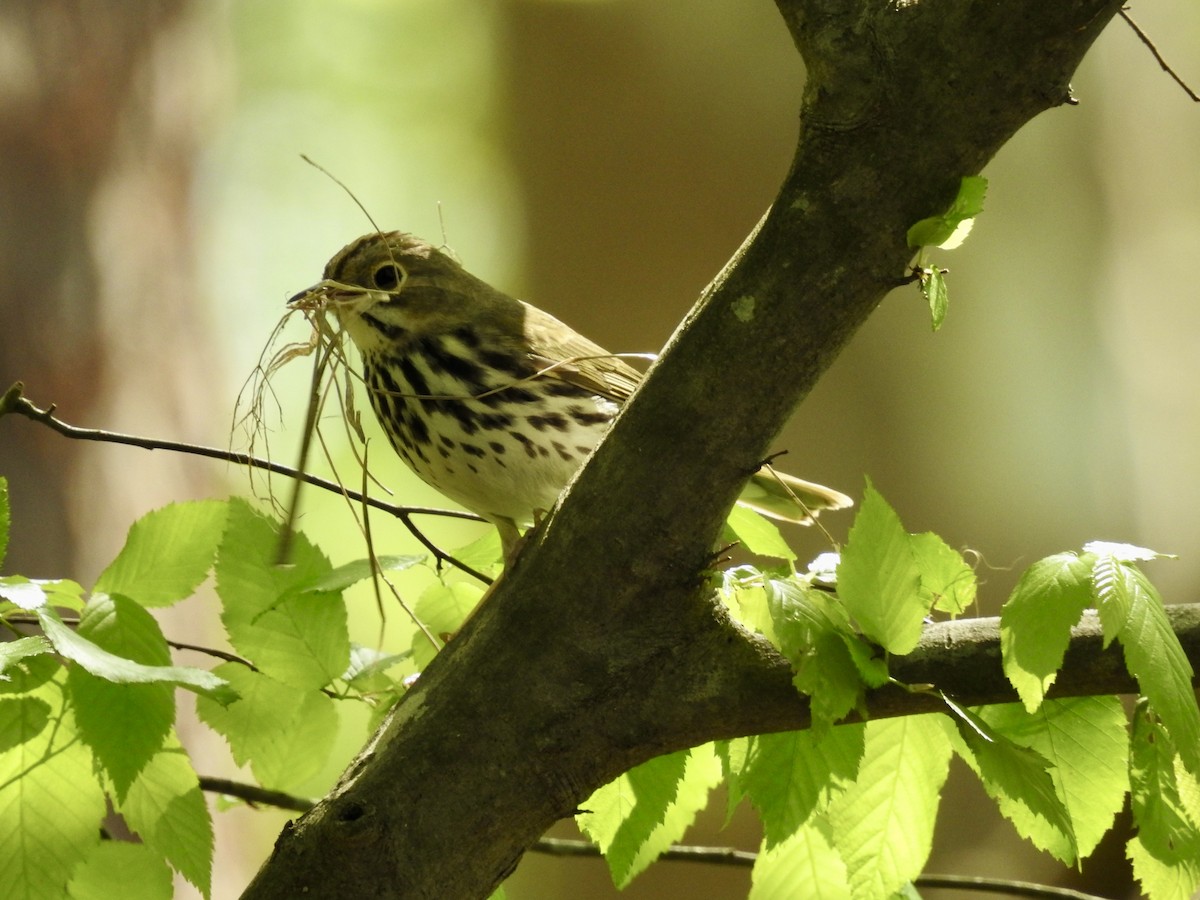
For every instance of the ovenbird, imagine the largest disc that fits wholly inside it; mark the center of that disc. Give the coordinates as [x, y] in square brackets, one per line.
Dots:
[493, 402]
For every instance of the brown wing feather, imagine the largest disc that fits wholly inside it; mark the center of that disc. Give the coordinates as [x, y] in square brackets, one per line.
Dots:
[575, 359]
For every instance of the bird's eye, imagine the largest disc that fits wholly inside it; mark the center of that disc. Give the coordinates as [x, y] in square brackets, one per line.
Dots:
[388, 277]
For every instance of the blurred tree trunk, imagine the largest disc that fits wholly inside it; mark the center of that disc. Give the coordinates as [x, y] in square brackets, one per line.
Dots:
[98, 121]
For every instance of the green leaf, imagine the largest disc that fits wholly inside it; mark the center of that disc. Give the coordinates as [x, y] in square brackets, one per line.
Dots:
[804, 865]
[757, 533]
[51, 805]
[353, 572]
[1124, 552]
[285, 733]
[1163, 881]
[298, 639]
[21, 719]
[878, 578]
[30, 673]
[933, 288]
[1132, 609]
[124, 724]
[639, 815]
[443, 608]
[947, 230]
[947, 581]
[121, 869]
[34, 593]
[13, 652]
[814, 634]
[882, 825]
[1085, 741]
[1165, 828]
[368, 668]
[1035, 623]
[117, 669]
[166, 808]
[5, 518]
[1017, 778]
[483, 554]
[167, 553]
[788, 776]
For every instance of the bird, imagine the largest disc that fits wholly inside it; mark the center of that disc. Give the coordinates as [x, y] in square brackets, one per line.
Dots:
[490, 400]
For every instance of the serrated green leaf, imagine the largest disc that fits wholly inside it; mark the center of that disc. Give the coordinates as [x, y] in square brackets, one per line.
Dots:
[285, 733]
[1036, 621]
[813, 631]
[804, 865]
[166, 809]
[625, 812]
[484, 554]
[936, 294]
[443, 608]
[121, 869]
[946, 579]
[882, 824]
[788, 776]
[368, 668]
[1163, 881]
[51, 805]
[757, 533]
[30, 673]
[1085, 741]
[119, 670]
[124, 724]
[353, 572]
[5, 518]
[301, 640]
[13, 652]
[1124, 552]
[34, 593]
[747, 601]
[1018, 779]
[1131, 607]
[1165, 828]
[167, 553]
[639, 815]
[878, 578]
[941, 230]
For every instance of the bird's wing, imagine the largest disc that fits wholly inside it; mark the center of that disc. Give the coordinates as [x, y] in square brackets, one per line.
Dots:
[568, 356]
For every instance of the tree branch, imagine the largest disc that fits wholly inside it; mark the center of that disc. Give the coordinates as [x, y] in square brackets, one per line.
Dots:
[600, 647]
[14, 402]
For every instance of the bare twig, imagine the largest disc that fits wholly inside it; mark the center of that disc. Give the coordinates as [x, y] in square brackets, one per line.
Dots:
[253, 794]
[1163, 64]
[15, 402]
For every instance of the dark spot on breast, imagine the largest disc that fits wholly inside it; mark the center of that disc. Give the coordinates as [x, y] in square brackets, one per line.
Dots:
[387, 329]
[525, 442]
[583, 417]
[551, 420]
[471, 449]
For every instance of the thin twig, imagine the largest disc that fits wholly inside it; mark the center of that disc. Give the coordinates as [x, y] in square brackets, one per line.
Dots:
[253, 794]
[16, 403]
[720, 856]
[1163, 64]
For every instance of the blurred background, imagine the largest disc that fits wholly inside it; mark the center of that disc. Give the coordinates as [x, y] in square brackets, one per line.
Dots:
[602, 159]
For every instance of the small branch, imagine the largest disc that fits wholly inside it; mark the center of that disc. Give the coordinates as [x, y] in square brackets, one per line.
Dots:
[721, 856]
[15, 402]
[254, 795]
[728, 856]
[1163, 64]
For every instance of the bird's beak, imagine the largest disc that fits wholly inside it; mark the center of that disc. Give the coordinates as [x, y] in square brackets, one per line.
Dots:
[328, 294]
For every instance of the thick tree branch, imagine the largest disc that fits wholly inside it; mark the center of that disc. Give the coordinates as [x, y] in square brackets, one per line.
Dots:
[600, 648]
